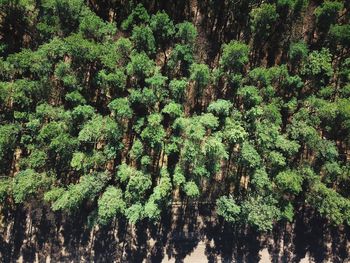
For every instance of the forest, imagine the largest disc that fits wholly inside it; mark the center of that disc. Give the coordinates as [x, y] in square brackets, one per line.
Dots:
[117, 111]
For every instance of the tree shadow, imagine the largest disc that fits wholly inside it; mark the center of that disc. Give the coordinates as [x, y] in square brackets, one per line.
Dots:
[180, 231]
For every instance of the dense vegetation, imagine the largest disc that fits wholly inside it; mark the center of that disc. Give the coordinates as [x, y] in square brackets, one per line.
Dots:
[117, 108]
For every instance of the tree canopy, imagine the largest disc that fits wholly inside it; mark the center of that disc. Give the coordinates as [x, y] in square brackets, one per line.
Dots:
[121, 113]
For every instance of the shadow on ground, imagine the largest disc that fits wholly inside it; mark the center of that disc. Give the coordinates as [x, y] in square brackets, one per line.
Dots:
[38, 235]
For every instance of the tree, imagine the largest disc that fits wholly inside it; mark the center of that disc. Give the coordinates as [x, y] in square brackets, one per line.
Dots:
[110, 204]
[215, 152]
[319, 65]
[163, 29]
[8, 136]
[250, 156]
[186, 33]
[5, 189]
[154, 133]
[123, 49]
[136, 151]
[63, 15]
[228, 209]
[329, 203]
[28, 183]
[138, 16]
[200, 74]
[140, 66]
[152, 210]
[178, 88]
[75, 98]
[119, 121]
[179, 178]
[137, 187]
[157, 83]
[340, 34]
[250, 96]
[181, 58]
[298, 52]
[93, 27]
[143, 39]
[173, 109]
[234, 56]
[263, 18]
[135, 213]
[99, 128]
[121, 108]
[191, 189]
[326, 14]
[71, 199]
[113, 81]
[260, 212]
[220, 108]
[289, 181]
[233, 132]
[261, 182]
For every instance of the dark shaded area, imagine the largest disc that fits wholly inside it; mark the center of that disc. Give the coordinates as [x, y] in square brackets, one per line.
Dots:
[176, 237]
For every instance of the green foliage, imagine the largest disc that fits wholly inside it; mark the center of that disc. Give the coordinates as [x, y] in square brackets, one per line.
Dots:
[187, 33]
[326, 14]
[114, 80]
[121, 108]
[220, 108]
[163, 29]
[110, 204]
[330, 203]
[178, 88]
[298, 52]
[140, 66]
[234, 56]
[136, 149]
[340, 34]
[200, 74]
[137, 187]
[288, 212]
[261, 182]
[191, 189]
[88, 188]
[123, 48]
[93, 27]
[138, 16]
[260, 212]
[53, 194]
[319, 65]
[250, 156]
[154, 133]
[294, 5]
[228, 209]
[120, 123]
[8, 137]
[173, 109]
[179, 178]
[250, 96]
[181, 58]
[28, 183]
[99, 128]
[289, 181]
[135, 213]
[5, 189]
[67, 13]
[75, 98]
[233, 132]
[143, 39]
[263, 19]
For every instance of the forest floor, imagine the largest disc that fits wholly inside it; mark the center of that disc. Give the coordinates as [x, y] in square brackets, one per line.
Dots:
[187, 234]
